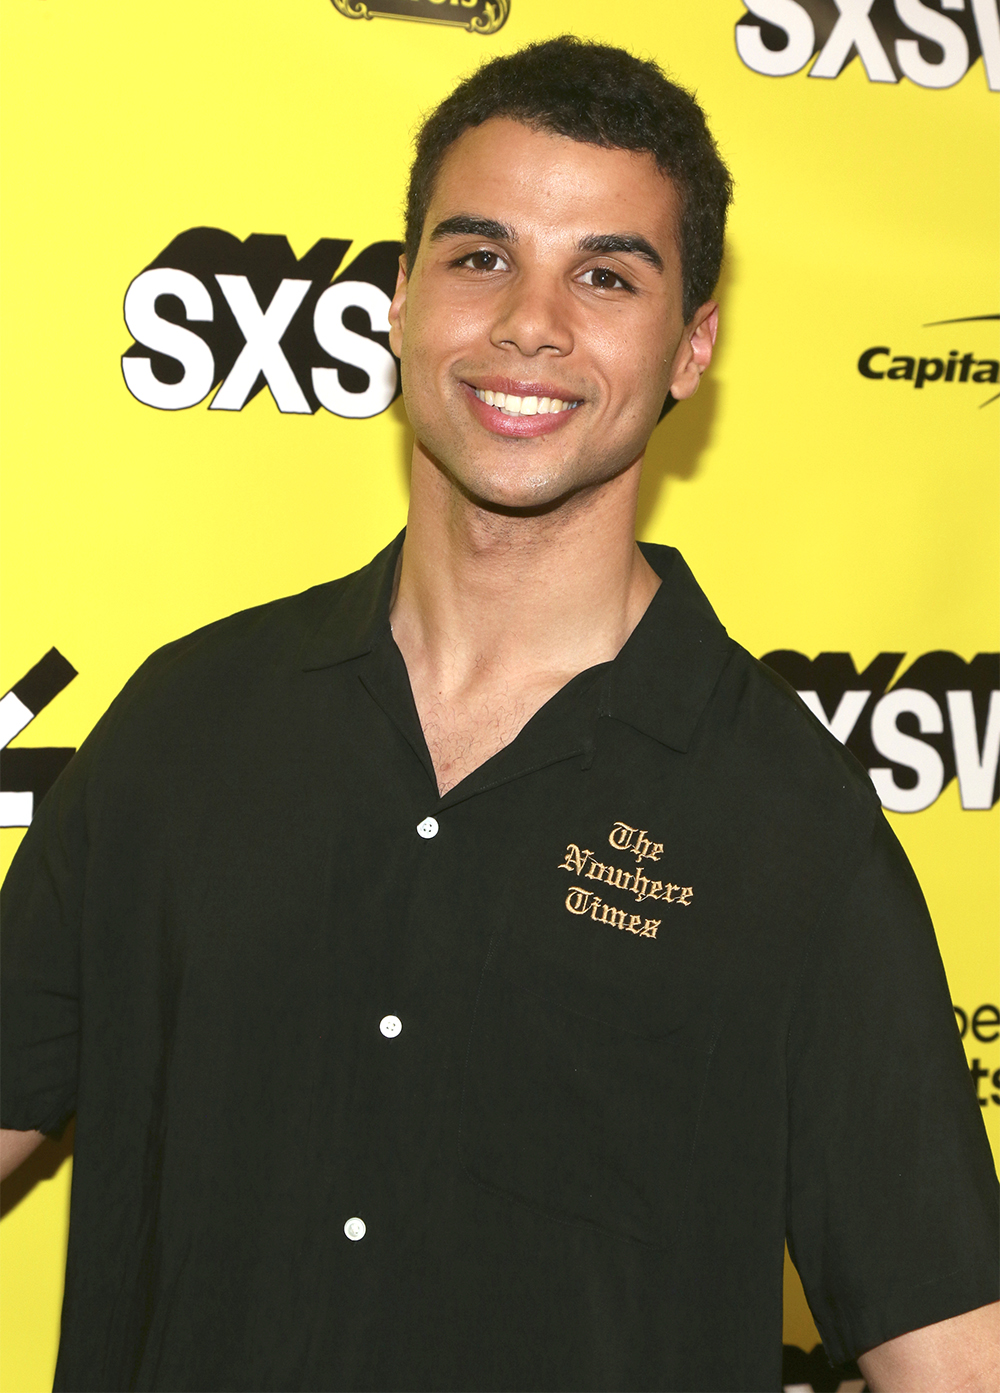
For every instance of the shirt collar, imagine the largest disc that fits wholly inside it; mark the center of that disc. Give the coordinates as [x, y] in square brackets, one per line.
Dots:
[357, 615]
[662, 679]
[659, 683]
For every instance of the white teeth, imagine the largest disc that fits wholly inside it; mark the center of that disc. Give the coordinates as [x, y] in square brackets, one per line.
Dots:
[525, 406]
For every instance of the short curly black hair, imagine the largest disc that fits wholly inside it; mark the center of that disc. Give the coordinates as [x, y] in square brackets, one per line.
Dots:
[598, 95]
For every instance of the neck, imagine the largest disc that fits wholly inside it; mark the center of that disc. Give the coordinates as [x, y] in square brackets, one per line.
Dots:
[527, 596]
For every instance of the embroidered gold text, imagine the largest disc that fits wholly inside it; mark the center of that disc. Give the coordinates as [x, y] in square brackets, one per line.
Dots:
[641, 886]
[580, 901]
[625, 838]
[581, 862]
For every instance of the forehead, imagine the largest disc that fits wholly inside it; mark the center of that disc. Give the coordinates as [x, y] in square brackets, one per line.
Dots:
[537, 180]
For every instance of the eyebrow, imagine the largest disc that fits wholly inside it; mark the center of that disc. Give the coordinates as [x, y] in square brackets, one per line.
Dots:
[465, 225]
[629, 242]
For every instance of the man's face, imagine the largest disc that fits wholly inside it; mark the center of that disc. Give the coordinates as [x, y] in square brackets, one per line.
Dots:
[549, 272]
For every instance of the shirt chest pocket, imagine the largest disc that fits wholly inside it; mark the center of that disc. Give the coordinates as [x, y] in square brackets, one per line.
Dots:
[582, 1095]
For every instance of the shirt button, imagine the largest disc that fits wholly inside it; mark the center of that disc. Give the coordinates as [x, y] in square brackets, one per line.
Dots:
[390, 1026]
[355, 1229]
[428, 828]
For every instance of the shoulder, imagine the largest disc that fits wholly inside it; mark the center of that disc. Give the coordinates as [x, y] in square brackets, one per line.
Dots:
[757, 752]
[778, 748]
[238, 673]
[333, 619]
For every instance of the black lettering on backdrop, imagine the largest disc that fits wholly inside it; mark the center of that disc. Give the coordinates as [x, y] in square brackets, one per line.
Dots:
[979, 1073]
[211, 311]
[984, 1022]
[880, 364]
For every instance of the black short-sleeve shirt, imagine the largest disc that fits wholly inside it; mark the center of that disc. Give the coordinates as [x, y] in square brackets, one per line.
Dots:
[518, 1088]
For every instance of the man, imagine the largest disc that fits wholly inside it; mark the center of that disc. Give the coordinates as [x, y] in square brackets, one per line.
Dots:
[466, 973]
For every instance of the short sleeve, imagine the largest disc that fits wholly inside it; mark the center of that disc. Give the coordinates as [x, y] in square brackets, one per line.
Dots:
[42, 906]
[892, 1192]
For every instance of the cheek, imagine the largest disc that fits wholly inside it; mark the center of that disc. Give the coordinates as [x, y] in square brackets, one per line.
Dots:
[638, 371]
[417, 359]
[433, 341]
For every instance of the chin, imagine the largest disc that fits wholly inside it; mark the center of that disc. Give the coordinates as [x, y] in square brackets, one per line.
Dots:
[520, 495]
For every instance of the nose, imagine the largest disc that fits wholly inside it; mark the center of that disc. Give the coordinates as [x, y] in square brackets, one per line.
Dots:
[534, 317]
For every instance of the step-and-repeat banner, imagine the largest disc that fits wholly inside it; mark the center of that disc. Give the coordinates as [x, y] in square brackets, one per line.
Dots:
[201, 219]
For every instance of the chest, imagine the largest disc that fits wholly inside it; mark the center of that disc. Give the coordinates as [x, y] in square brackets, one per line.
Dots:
[557, 952]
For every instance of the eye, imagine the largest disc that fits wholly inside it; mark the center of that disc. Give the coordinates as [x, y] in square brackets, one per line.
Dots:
[603, 278]
[482, 260]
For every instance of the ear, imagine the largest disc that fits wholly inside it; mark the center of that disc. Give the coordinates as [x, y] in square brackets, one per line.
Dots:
[397, 310]
[694, 353]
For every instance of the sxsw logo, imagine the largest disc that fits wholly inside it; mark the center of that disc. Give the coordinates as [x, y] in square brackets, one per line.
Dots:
[931, 42]
[939, 720]
[214, 312]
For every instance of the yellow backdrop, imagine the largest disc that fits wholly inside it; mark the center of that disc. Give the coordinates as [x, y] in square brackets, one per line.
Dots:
[826, 508]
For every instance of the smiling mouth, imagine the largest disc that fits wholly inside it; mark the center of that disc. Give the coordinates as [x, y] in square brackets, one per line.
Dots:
[511, 405]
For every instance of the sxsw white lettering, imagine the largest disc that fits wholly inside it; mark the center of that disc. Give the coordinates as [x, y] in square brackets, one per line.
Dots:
[855, 32]
[262, 353]
[853, 29]
[987, 17]
[799, 33]
[907, 750]
[348, 347]
[147, 328]
[931, 24]
[975, 766]
[845, 718]
[976, 769]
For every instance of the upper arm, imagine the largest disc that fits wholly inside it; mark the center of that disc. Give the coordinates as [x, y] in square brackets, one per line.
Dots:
[892, 1193]
[960, 1355]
